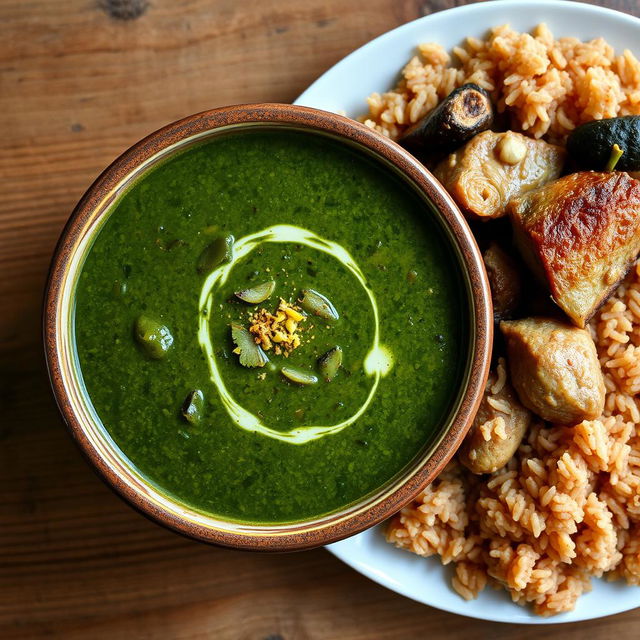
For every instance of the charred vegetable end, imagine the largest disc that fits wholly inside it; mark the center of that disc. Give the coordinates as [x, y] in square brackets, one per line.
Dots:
[465, 112]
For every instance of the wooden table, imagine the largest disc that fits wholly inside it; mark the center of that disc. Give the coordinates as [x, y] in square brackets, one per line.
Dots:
[81, 80]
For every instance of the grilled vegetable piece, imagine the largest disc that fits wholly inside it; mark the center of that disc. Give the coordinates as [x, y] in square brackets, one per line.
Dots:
[555, 370]
[299, 377]
[580, 234]
[465, 112]
[316, 304]
[505, 282]
[154, 338]
[193, 406]
[498, 428]
[494, 167]
[329, 363]
[590, 144]
[215, 253]
[257, 294]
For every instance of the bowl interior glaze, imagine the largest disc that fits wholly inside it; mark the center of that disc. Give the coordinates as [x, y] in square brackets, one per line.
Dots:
[94, 439]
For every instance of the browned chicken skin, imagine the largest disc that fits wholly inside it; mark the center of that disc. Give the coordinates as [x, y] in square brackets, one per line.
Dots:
[494, 167]
[498, 428]
[555, 370]
[580, 234]
[505, 282]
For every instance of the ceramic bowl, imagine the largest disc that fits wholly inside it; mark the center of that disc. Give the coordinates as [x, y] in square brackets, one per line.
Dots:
[93, 437]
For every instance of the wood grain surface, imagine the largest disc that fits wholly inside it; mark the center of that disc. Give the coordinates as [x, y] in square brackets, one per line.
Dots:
[80, 80]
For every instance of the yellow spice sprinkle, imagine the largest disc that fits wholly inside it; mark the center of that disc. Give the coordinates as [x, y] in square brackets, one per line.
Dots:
[279, 331]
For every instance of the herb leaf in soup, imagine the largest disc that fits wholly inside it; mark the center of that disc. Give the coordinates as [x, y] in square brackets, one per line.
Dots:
[250, 354]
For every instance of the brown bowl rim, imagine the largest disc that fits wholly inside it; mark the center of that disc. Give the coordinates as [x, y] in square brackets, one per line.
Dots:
[471, 262]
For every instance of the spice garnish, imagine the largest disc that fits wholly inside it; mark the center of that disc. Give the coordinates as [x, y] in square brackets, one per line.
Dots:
[279, 332]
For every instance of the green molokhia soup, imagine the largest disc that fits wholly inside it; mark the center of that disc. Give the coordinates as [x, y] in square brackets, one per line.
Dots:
[339, 406]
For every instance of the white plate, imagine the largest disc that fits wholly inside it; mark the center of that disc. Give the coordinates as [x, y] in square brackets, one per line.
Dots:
[375, 67]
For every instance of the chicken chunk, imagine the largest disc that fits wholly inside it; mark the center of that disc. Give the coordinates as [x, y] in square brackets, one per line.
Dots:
[555, 370]
[580, 234]
[505, 282]
[498, 428]
[494, 167]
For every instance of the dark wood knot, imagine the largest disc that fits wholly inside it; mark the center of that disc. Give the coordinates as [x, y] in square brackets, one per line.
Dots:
[124, 9]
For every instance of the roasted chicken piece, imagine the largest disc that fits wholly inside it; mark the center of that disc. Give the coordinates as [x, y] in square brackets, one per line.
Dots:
[580, 234]
[555, 370]
[494, 167]
[505, 282]
[498, 428]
